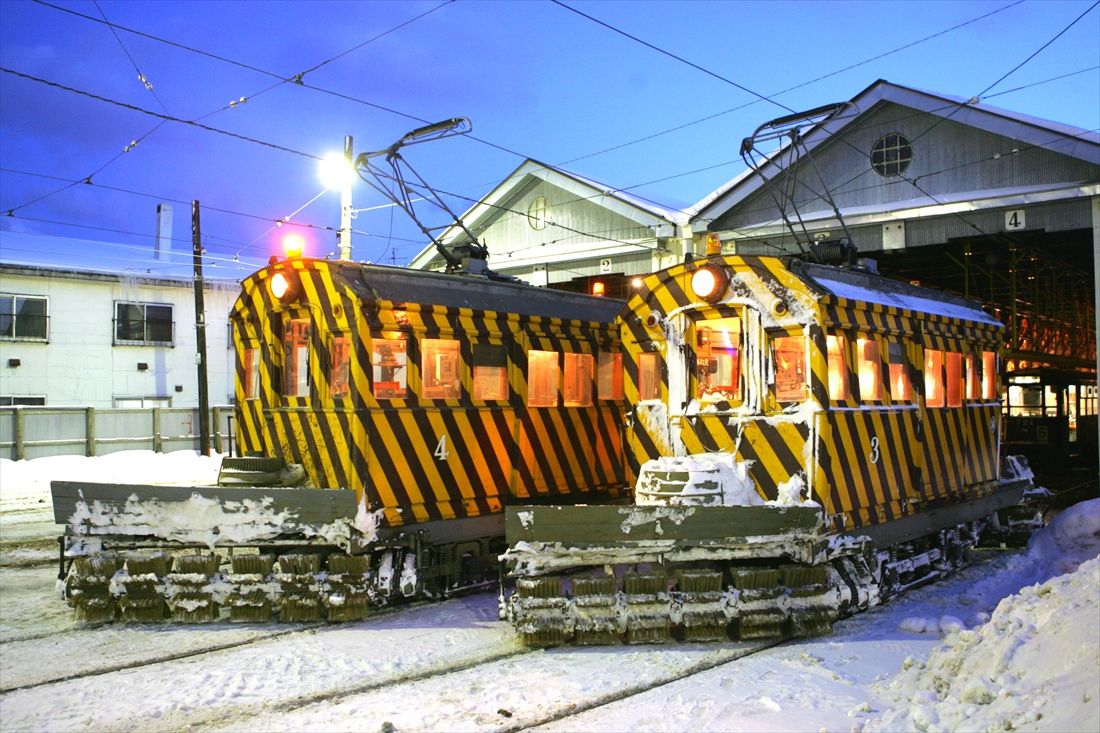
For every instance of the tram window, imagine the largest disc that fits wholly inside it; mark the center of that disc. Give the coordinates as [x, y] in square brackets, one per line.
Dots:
[973, 385]
[577, 385]
[490, 372]
[251, 368]
[989, 375]
[649, 376]
[609, 375]
[388, 359]
[869, 368]
[838, 368]
[542, 378]
[933, 378]
[439, 369]
[296, 358]
[718, 359]
[790, 368]
[955, 384]
[1025, 400]
[1071, 411]
[901, 389]
[339, 367]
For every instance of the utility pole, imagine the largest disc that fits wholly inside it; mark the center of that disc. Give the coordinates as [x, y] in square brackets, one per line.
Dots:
[200, 332]
[344, 245]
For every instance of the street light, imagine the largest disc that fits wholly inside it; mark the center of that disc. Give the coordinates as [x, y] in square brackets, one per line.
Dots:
[338, 171]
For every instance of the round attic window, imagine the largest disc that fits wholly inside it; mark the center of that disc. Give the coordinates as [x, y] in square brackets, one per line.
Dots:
[891, 155]
[536, 213]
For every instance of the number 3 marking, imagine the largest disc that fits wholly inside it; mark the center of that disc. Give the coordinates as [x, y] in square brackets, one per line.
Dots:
[441, 452]
[874, 450]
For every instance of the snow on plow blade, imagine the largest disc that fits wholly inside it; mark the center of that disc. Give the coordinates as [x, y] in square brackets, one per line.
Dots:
[98, 515]
[545, 539]
[652, 574]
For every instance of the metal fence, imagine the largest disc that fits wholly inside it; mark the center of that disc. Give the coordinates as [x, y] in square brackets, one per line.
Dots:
[36, 432]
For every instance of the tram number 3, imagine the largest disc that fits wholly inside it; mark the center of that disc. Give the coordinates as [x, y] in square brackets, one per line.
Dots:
[441, 453]
[873, 455]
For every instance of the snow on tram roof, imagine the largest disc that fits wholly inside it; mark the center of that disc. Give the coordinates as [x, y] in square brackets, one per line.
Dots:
[846, 284]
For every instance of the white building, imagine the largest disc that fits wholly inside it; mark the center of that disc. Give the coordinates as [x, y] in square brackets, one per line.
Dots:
[72, 337]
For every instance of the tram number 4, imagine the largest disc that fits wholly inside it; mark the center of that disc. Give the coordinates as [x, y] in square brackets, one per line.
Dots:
[873, 455]
[441, 452]
[1015, 219]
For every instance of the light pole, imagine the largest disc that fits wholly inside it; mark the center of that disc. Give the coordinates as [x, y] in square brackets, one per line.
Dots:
[339, 172]
[345, 204]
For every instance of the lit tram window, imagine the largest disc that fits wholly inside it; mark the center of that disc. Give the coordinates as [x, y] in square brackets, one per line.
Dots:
[339, 367]
[955, 384]
[933, 378]
[388, 359]
[609, 376]
[838, 368]
[869, 368]
[542, 378]
[296, 358]
[251, 365]
[989, 375]
[649, 376]
[490, 372]
[718, 359]
[790, 368]
[577, 382]
[439, 369]
[973, 383]
[901, 390]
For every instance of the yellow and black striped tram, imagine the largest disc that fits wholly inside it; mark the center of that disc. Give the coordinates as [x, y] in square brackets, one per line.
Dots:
[436, 398]
[874, 398]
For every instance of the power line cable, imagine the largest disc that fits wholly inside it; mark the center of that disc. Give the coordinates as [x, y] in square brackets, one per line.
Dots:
[793, 88]
[668, 53]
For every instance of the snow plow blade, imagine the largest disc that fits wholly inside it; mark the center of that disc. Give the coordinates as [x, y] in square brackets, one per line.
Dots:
[118, 515]
[647, 574]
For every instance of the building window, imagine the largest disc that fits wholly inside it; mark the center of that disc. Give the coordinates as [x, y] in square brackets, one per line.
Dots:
[388, 360]
[143, 323]
[609, 375]
[490, 372]
[440, 369]
[23, 317]
[536, 213]
[891, 154]
[838, 368]
[22, 400]
[790, 368]
[577, 385]
[542, 378]
[142, 402]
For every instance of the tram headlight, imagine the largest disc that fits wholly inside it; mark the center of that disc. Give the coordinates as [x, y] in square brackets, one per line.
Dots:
[284, 286]
[709, 283]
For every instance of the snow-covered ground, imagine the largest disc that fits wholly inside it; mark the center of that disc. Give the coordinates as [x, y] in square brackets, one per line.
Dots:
[1010, 643]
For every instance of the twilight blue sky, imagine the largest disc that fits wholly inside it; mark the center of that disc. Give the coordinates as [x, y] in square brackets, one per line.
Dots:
[535, 78]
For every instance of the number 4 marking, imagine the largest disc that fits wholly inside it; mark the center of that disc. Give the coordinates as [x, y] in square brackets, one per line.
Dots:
[1015, 219]
[441, 452]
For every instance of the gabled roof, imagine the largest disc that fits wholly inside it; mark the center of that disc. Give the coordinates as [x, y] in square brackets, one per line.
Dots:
[491, 206]
[1063, 139]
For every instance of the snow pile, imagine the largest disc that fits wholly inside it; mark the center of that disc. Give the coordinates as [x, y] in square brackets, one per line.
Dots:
[710, 479]
[26, 484]
[1034, 665]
